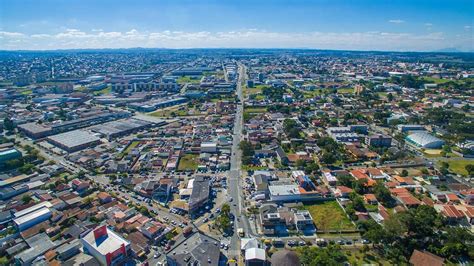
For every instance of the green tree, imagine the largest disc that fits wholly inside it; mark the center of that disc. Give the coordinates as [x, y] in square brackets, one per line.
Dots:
[26, 199]
[8, 124]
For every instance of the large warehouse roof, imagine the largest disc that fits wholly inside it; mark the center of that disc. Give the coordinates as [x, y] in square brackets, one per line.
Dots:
[74, 138]
[425, 140]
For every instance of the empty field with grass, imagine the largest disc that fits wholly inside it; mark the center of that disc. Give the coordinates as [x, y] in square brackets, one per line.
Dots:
[329, 216]
[188, 162]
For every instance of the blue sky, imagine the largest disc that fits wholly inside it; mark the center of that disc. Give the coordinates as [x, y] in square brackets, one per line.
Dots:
[412, 25]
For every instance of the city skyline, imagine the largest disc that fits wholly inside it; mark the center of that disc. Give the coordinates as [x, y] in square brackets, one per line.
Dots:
[386, 26]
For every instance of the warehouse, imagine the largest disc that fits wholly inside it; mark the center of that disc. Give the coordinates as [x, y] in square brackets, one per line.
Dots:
[74, 140]
[9, 154]
[425, 140]
[120, 128]
[32, 216]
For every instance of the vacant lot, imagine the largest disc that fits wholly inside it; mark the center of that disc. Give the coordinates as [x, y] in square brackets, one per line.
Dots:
[458, 166]
[329, 216]
[188, 162]
[253, 110]
[189, 79]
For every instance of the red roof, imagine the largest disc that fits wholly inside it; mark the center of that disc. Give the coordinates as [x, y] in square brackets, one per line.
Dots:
[451, 211]
[359, 174]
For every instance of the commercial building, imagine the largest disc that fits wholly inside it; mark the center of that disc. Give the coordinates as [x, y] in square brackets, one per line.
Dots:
[287, 193]
[406, 128]
[197, 249]
[74, 140]
[105, 245]
[378, 140]
[200, 194]
[423, 139]
[210, 147]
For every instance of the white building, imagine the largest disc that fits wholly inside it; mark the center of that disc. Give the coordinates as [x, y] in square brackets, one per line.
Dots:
[210, 147]
[105, 245]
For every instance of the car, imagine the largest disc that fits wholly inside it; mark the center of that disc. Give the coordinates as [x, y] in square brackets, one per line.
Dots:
[205, 220]
[348, 242]
[365, 241]
[156, 255]
[226, 247]
[302, 243]
[340, 242]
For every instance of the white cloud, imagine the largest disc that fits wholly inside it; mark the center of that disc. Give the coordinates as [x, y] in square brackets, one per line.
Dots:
[251, 38]
[428, 24]
[467, 27]
[396, 21]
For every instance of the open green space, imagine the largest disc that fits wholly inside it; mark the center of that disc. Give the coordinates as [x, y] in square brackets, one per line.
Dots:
[189, 79]
[367, 258]
[255, 90]
[329, 216]
[345, 90]
[106, 90]
[435, 80]
[188, 162]
[458, 166]
[253, 110]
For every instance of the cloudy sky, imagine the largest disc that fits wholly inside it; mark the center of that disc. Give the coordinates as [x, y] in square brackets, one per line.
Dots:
[408, 25]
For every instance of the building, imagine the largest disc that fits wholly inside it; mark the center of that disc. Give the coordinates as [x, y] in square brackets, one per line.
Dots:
[406, 128]
[9, 154]
[73, 141]
[425, 140]
[200, 194]
[378, 140]
[303, 219]
[424, 258]
[105, 245]
[285, 257]
[287, 193]
[209, 147]
[197, 249]
[33, 215]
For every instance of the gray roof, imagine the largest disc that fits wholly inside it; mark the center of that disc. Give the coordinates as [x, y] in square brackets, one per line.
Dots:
[197, 249]
[74, 138]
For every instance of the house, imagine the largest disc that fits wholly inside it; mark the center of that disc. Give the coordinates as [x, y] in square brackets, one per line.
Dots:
[424, 258]
[104, 197]
[370, 199]
[343, 191]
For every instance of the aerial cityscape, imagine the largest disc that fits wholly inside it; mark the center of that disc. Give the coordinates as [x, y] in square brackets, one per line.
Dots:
[119, 150]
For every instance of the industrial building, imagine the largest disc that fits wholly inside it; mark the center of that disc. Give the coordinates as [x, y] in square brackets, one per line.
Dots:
[423, 139]
[9, 154]
[120, 128]
[32, 216]
[105, 245]
[36, 131]
[157, 104]
[74, 140]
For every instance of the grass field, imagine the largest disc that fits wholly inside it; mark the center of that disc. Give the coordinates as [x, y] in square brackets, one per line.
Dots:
[436, 80]
[369, 258]
[188, 162]
[459, 166]
[329, 216]
[104, 91]
[255, 90]
[129, 148]
[189, 79]
[253, 110]
[345, 90]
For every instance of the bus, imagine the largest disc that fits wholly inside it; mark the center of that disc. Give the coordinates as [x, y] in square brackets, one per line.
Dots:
[240, 231]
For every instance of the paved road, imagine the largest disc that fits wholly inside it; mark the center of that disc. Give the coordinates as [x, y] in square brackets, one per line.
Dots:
[234, 174]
